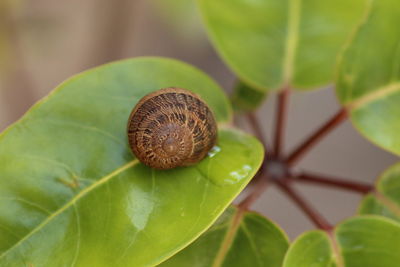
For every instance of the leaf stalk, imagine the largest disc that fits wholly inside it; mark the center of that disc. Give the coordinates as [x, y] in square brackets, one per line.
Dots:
[280, 121]
[358, 187]
[286, 186]
[310, 142]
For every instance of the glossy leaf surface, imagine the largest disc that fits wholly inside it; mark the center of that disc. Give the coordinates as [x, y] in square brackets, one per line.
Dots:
[365, 241]
[369, 76]
[369, 242]
[236, 239]
[311, 249]
[72, 193]
[273, 43]
[386, 200]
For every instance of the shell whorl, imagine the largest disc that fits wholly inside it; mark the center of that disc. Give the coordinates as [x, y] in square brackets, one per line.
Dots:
[171, 127]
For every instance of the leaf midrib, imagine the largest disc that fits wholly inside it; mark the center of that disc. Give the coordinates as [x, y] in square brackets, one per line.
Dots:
[229, 237]
[388, 203]
[375, 95]
[291, 40]
[336, 251]
[71, 202]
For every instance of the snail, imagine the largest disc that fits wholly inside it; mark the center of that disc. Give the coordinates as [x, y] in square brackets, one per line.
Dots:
[171, 127]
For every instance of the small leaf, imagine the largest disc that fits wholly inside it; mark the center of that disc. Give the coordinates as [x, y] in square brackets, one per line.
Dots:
[371, 205]
[386, 200]
[369, 241]
[363, 241]
[273, 43]
[311, 249]
[246, 98]
[236, 239]
[71, 193]
[369, 76]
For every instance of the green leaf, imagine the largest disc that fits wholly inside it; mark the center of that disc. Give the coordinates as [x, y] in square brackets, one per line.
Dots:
[246, 98]
[237, 239]
[369, 76]
[372, 205]
[311, 249]
[369, 242]
[386, 200]
[273, 43]
[364, 241]
[183, 15]
[72, 193]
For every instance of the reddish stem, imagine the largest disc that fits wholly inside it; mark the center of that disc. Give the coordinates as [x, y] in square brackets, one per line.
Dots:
[303, 148]
[335, 182]
[260, 187]
[257, 130]
[312, 213]
[280, 121]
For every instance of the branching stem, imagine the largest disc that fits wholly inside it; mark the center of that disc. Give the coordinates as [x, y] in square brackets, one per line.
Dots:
[335, 182]
[315, 217]
[326, 128]
[280, 121]
[260, 187]
[277, 170]
[255, 125]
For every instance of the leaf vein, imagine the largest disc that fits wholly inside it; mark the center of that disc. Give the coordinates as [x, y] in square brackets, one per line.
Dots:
[27, 202]
[228, 239]
[375, 95]
[253, 246]
[388, 203]
[77, 197]
[78, 242]
[292, 39]
[89, 128]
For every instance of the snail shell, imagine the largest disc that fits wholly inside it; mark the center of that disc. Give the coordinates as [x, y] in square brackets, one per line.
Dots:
[171, 127]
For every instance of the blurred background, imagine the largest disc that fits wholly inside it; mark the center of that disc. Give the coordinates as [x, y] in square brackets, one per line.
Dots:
[44, 42]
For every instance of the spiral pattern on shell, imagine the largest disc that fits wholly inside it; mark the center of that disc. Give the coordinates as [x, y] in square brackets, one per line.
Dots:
[171, 127]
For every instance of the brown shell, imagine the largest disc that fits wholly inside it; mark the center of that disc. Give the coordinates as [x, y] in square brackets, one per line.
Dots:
[171, 127]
